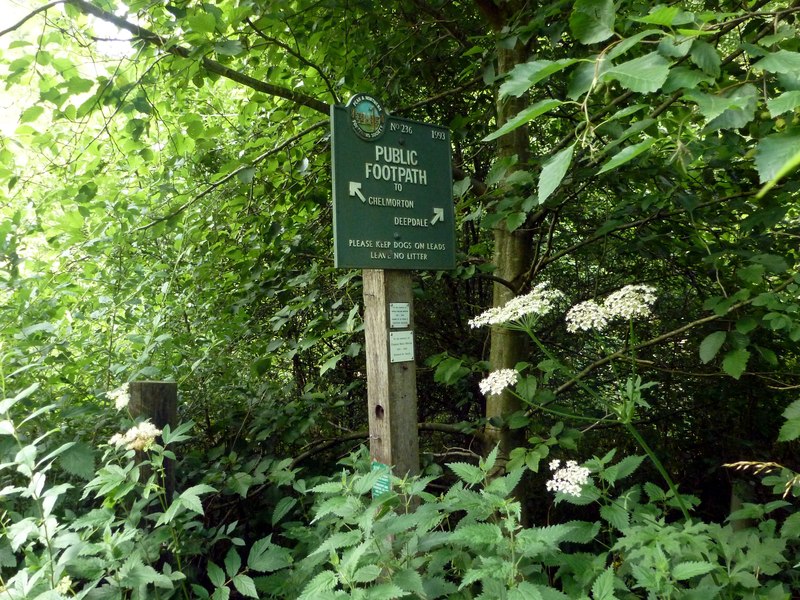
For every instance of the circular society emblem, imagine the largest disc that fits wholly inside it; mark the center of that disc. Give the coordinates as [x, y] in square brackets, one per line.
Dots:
[367, 117]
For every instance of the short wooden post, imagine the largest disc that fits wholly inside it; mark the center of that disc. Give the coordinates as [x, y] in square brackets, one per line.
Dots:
[391, 386]
[158, 402]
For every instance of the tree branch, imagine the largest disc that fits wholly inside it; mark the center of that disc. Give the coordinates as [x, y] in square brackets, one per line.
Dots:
[621, 354]
[30, 15]
[231, 175]
[209, 65]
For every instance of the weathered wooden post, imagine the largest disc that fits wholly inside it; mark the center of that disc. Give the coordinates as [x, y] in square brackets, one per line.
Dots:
[158, 402]
[392, 213]
[391, 370]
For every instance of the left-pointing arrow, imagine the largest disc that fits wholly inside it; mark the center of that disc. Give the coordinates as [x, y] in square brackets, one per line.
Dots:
[355, 190]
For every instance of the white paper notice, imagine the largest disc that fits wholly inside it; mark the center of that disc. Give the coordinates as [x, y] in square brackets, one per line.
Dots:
[401, 346]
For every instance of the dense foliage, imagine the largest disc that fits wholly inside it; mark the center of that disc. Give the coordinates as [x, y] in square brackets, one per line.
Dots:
[165, 206]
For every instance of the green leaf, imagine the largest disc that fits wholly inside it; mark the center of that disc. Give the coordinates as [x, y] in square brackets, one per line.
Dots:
[467, 473]
[592, 21]
[322, 582]
[264, 556]
[689, 569]
[31, 114]
[229, 48]
[232, 562]
[603, 586]
[626, 467]
[627, 154]
[553, 172]
[245, 586]
[666, 15]
[685, 78]
[386, 591]
[782, 61]
[78, 460]
[705, 56]
[617, 517]
[524, 116]
[744, 111]
[202, 22]
[711, 345]
[776, 156]
[215, 575]
[525, 75]
[735, 362]
[221, 593]
[367, 574]
[524, 591]
[784, 103]
[282, 508]
[643, 74]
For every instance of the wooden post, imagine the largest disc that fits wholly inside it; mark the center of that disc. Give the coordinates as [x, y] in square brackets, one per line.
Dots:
[158, 402]
[391, 386]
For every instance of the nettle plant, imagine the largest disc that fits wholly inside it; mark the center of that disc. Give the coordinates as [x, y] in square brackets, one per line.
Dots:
[116, 536]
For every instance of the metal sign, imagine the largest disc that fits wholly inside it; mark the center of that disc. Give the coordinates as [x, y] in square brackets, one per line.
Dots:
[392, 190]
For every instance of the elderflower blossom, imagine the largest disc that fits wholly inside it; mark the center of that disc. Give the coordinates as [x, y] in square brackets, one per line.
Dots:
[138, 437]
[497, 381]
[631, 302]
[568, 479]
[121, 396]
[586, 316]
[539, 301]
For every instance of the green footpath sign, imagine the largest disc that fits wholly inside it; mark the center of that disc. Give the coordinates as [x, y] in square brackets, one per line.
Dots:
[392, 190]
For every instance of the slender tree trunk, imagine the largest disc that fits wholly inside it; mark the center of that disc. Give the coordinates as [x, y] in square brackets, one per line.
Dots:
[512, 250]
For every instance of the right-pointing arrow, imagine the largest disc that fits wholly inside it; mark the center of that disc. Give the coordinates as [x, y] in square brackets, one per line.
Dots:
[355, 190]
[438, 215]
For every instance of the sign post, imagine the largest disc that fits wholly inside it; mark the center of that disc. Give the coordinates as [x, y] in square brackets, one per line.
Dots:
[392, 213]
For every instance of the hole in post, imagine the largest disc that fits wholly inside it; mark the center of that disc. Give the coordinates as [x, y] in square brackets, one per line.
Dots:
[378, 411]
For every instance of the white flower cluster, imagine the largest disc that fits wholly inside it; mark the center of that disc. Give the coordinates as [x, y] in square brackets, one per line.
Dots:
[497, 381]
[64, 585]
[138, 437]
[568, 479]
[121, 396]
[586, 316]
[539, 301]
[630, 302]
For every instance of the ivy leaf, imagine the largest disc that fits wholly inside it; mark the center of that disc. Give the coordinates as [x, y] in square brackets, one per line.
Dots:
[522, 117]
[643, 74]
[689, 569]
[735, 362]
[553, 172]
[627, 154]
[711, 345]
[592, 21]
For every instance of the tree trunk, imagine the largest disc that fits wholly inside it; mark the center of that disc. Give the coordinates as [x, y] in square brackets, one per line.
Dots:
[512, 250]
